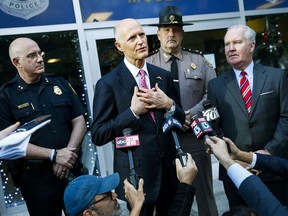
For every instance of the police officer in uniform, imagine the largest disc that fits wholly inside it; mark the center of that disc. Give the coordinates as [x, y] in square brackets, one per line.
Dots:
[41, 179]
[191, 73]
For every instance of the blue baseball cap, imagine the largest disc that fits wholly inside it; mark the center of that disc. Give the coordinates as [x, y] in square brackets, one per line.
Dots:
[81, 191]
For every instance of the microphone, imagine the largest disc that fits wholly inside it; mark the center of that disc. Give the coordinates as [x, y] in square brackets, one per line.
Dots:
[129, 141]
[212, 115]
[169, 125]
[200, 126]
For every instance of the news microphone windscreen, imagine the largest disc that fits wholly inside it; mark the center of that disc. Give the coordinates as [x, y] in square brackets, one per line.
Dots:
[127, 132]
[128, 140]
[200, 126]
[211, 113]
[206, 104]
[170, 123]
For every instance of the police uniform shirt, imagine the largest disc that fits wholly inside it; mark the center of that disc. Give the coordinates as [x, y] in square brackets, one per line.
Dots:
[51, 95]
[194, 73]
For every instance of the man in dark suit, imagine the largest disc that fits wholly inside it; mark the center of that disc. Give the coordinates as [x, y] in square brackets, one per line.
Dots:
[119, 103]
[250, 186]
[260, 126]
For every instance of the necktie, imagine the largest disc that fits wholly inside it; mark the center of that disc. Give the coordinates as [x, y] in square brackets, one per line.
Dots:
[143, 84]
[174, 75]
[246, 91]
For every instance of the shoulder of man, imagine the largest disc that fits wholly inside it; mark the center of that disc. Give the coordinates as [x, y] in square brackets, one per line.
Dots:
[197, 52]
[153, 52]
[60, 81]
[200, 54]
[8, 84]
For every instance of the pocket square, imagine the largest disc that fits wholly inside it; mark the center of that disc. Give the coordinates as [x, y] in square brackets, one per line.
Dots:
[265, 93]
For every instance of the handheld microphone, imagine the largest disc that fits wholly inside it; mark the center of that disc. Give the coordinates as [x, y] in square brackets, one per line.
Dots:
[169, 125]
[201, 126]
[128, 141]
[212, 115]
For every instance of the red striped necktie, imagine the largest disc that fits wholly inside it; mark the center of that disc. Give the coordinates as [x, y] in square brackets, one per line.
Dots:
[143, 84]
[246, 91]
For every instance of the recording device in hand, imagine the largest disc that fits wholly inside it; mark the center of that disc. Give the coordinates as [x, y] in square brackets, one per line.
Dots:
[200, 126]
[171, 124]
[212, 115]
[129, 141]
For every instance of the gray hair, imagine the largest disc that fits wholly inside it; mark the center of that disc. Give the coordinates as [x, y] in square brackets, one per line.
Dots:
[249, 33]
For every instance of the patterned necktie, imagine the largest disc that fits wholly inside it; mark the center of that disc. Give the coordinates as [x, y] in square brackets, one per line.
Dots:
[143, 84]
[246, 91]
[174, 75]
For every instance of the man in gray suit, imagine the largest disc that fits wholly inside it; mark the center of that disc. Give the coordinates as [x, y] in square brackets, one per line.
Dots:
[191, 83]
[263, 128]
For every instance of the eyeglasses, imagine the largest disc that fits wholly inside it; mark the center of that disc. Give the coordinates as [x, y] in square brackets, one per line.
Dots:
[108, 194]
[35, 55]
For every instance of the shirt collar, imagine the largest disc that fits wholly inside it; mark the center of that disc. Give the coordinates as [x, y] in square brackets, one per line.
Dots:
[248, 70]
[167, 56]
[135, 70]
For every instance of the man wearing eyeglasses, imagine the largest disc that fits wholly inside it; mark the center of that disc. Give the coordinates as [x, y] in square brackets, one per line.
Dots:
[92, 195]
[41, 176]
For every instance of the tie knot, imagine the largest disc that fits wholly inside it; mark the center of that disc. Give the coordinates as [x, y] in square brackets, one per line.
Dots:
[243, 73]
[173, 58]
[142, 72]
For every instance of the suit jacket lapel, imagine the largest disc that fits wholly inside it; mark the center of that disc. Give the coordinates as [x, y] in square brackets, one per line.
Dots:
[232, 85]
[259, 77]
[153, 81]
[128, 82]
[126, 79]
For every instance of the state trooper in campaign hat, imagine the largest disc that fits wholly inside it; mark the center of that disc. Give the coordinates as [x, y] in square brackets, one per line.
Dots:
[190, 75]
[170, 15]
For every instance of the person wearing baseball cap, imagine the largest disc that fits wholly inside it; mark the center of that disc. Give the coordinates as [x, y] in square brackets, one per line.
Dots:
[90, 195]
[190, 74]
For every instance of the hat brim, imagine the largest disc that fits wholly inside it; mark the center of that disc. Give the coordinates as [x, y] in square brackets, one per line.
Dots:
[167, 24]
[109, 183]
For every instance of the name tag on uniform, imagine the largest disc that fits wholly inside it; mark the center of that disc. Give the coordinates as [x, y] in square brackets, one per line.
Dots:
[21, 106]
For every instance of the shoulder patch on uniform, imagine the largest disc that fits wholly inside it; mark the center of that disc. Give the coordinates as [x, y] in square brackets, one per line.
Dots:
[193, 51]
[10, 82]
[153, 52]
[209, 64]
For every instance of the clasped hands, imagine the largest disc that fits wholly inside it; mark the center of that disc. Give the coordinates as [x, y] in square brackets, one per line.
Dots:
[65, 160]
[145, 100]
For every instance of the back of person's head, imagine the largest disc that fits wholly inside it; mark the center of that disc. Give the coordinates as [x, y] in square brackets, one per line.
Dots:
[240, 211]
[81, 191]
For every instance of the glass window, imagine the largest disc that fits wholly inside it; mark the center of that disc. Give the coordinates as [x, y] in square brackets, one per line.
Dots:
[271, 39]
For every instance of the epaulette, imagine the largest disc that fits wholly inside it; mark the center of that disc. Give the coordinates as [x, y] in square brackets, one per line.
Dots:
[51, 75]
[193, 51]
[10, 82]
[153, 52]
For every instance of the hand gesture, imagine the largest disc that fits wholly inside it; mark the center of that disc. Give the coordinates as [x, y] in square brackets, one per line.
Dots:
[155, 98]
[137, 105]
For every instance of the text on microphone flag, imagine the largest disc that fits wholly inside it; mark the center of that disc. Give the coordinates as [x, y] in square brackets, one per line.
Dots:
[127, 141]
